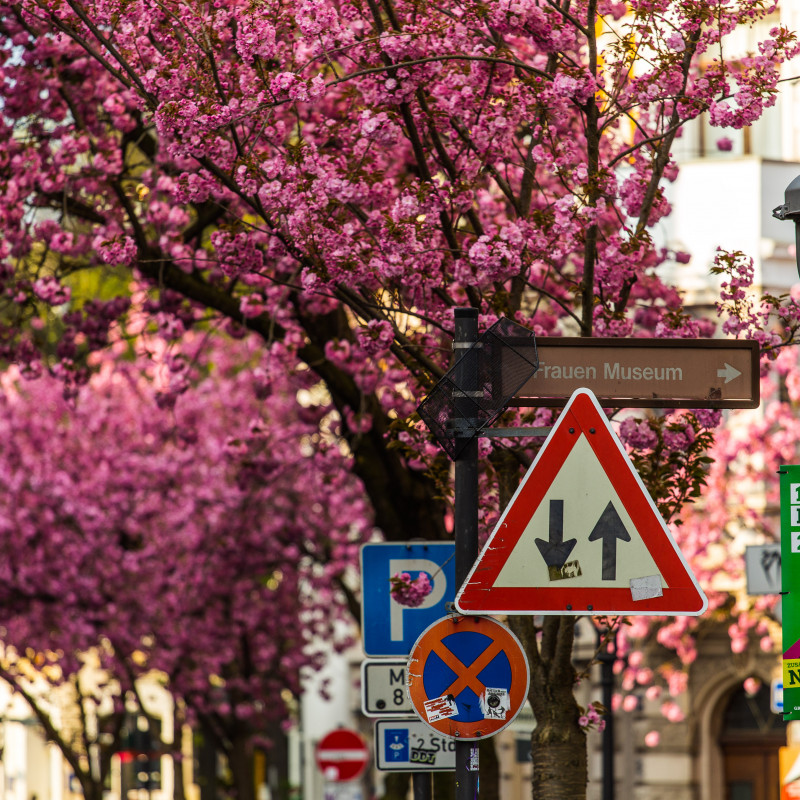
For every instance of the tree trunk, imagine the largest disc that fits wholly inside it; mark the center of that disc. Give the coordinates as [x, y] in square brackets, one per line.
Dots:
[558, 743]
[277, 762]
[241, 763]
[92, 790]
[205, 761]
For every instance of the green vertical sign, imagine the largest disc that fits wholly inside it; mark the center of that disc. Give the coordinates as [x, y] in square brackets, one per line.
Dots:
[790, 586]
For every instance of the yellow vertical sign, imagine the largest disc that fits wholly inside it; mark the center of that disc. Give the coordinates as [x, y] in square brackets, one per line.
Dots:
[789, 769]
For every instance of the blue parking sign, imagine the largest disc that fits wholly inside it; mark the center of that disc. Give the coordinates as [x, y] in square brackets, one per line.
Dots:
[396, 744]
[388, 628]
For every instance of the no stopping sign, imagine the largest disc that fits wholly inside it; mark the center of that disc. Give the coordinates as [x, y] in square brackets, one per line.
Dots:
[467, 677]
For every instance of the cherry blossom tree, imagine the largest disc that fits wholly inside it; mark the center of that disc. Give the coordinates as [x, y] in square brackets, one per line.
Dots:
[740, 494]
[206, 542]
[336, 177]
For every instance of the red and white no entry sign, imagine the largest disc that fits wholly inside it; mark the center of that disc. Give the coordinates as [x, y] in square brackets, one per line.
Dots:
[342, 755]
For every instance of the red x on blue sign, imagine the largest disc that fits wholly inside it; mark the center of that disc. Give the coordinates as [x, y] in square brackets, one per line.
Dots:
[467, 677]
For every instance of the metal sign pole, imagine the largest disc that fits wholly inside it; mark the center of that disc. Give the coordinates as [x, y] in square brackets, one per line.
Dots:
[422, 783]
[466, 536]
[607, 656]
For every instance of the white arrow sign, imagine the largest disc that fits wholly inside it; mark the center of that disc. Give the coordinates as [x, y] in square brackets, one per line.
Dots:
[729, 373]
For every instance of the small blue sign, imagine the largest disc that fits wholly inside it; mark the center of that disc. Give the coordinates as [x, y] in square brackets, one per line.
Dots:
[396, 744]
[388, 628]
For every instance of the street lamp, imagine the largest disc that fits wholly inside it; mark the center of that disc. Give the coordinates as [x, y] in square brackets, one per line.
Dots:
[791, 210]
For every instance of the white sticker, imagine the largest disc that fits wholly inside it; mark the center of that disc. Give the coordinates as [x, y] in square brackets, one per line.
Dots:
[495, 703]
[440, 708]
[645, 588]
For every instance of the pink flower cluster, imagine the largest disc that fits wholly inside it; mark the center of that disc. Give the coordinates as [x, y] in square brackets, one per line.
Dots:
[178, 528]
[51, 291]
[376, 338]
[637, 434]
[410, 592]
[593, 718]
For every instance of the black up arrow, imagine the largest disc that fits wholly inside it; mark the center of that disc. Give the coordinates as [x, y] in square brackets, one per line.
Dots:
[609, 528]
[555, 552]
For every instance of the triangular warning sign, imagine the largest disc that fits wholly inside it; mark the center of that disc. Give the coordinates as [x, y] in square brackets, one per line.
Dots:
[581, 534]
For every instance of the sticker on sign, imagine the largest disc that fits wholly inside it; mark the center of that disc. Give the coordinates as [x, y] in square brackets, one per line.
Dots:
[440, 708]
[495, 703]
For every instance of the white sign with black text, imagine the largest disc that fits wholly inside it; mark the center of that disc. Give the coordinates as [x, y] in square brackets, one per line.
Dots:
[383, 689]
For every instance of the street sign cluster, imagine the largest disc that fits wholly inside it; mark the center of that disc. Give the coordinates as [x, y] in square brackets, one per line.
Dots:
[418, 656]
[466, 677]
[580, 536]
[389, 630]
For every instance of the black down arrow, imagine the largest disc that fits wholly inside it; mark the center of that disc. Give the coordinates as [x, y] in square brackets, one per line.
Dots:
[555, 552]
[609, 528]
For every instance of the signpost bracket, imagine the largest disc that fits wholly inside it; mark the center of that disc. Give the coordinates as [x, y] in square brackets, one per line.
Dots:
[512, 433]
[473, 393]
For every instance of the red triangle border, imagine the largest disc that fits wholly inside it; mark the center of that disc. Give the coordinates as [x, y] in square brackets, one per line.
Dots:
[581, 415]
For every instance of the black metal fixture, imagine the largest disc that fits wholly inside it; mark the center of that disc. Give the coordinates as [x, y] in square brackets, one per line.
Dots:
[791, 210]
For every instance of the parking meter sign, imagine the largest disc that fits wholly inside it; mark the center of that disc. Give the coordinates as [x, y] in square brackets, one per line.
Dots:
[408, 745]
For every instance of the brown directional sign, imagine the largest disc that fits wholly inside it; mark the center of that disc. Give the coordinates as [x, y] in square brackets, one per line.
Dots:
[645, 373]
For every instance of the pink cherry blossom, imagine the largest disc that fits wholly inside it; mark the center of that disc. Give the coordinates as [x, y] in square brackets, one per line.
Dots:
[317, 185]
[652, 739]
[410, 592]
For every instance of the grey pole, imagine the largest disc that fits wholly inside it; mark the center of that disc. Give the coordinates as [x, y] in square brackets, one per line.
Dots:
[607, 656]
[466, 537]
[422, 783]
